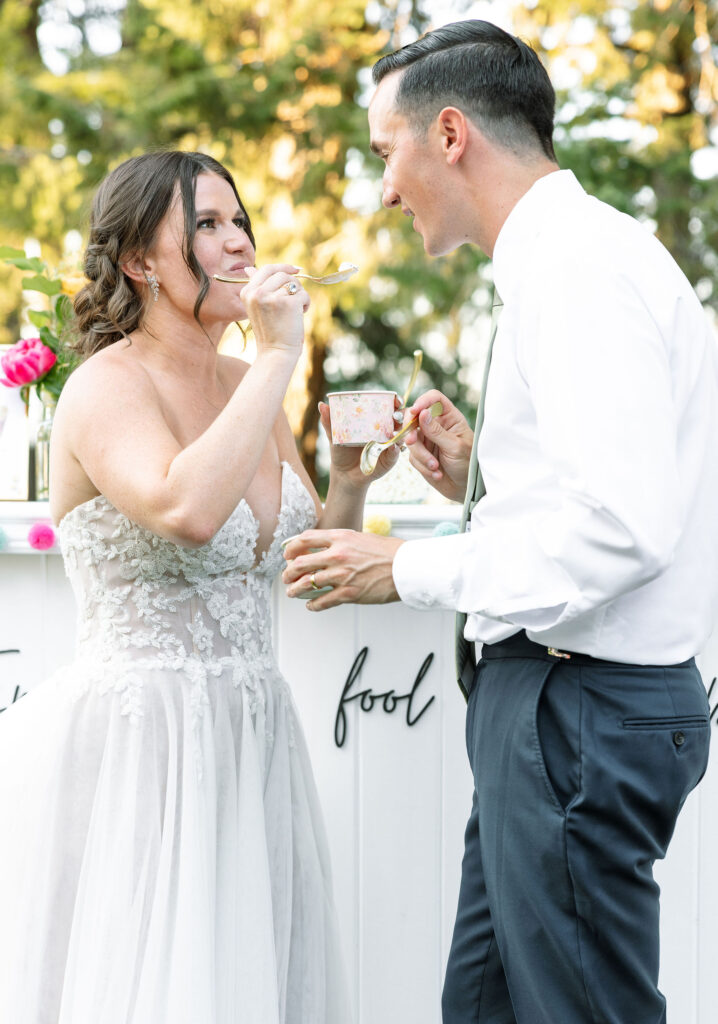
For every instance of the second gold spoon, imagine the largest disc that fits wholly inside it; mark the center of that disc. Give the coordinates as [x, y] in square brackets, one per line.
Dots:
[418, 355]
[372, 449]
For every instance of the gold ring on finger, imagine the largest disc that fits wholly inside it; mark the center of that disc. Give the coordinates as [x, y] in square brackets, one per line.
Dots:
[313, 582]
[292, 287]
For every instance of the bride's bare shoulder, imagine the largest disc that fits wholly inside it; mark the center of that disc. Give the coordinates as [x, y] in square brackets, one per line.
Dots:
[106, 379]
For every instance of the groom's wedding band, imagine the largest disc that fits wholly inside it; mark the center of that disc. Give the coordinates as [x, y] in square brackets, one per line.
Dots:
[313, 582]
[292, 287]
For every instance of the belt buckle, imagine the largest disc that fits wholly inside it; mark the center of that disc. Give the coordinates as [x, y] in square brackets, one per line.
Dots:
[557, 654]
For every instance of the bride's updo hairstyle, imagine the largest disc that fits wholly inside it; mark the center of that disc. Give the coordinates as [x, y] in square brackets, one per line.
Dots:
[127, 210]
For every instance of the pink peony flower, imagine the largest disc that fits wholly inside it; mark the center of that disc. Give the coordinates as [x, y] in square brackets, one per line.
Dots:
[26, 362]
[41, 536]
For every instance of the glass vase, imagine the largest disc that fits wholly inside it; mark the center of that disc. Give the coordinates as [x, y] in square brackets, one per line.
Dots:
[42, 447]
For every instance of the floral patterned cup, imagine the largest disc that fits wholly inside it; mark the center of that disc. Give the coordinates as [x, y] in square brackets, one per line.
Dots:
[361, 416]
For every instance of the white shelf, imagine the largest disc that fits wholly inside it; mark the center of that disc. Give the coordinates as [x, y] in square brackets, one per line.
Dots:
[407, 521]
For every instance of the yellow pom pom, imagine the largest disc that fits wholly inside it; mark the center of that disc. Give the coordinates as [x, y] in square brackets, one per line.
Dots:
[378, 524]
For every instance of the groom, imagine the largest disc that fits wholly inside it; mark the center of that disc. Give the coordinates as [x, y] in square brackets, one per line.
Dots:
[589, 571]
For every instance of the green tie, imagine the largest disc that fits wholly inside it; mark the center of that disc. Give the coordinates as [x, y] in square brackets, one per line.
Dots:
[475, 490]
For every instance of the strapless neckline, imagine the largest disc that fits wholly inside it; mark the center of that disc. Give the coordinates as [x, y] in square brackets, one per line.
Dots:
[100, 502]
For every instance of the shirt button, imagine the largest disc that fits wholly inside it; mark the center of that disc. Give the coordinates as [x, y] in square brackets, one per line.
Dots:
[679, 738]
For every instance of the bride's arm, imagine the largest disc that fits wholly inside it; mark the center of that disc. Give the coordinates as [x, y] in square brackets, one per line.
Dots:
[344, 507]
[111, 418]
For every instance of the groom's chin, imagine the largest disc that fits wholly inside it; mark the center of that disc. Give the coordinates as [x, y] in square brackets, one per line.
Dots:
[435, 247]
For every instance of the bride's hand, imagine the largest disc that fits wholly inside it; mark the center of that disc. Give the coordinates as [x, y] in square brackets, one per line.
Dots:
[277, 316]
[345, 458]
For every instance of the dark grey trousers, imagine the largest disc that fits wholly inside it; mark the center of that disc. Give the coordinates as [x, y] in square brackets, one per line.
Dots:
[581, 767]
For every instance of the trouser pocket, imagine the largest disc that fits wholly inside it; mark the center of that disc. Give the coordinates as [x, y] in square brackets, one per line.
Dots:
[558, 733]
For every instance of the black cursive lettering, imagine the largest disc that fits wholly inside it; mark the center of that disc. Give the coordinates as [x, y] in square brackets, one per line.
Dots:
[16, 696]
[367, 698]
[340, 722]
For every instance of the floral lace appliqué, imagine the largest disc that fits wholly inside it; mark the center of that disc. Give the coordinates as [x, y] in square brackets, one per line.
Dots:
[203, 613]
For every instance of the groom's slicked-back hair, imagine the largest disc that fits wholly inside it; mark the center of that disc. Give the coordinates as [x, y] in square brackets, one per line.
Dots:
[495, 78]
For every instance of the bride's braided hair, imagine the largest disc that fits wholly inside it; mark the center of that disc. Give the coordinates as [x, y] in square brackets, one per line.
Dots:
[127, 210]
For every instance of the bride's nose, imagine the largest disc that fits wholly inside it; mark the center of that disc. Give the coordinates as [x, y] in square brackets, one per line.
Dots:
[239, 241]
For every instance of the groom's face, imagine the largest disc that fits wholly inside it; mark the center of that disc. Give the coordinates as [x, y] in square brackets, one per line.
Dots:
[414, 171]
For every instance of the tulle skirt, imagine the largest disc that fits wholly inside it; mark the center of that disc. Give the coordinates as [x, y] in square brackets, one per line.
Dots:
[164, 862]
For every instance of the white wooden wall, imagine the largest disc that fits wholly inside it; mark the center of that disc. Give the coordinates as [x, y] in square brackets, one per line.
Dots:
[396, 798]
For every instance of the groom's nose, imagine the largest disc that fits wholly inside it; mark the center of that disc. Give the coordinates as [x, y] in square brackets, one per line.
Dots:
[389, 196]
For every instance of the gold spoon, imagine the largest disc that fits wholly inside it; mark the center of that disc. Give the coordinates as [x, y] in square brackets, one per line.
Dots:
[345, 271]
[418, 355]
[372, 449]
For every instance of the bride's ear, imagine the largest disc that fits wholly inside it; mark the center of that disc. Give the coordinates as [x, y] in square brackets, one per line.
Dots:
[137, 269]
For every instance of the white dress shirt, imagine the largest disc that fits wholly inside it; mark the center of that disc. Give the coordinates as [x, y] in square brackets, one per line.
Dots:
[599, 529]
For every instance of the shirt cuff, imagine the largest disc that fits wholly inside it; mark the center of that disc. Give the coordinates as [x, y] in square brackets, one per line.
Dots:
[504, 578]
[427, 573]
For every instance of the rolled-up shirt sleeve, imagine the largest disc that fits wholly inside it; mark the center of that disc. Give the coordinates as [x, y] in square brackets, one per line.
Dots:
[596, 374]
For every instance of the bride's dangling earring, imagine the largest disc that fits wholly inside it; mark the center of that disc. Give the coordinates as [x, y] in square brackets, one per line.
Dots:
[154, 285]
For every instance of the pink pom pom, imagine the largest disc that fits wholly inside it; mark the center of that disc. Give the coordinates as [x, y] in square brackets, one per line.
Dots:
[41, 536]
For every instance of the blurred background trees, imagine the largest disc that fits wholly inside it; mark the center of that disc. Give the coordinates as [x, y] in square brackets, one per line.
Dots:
[277, 90]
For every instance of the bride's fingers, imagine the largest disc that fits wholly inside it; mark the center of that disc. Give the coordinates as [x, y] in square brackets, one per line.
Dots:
[390, 455]
[273, 282]
[326, 419]
[258, 275]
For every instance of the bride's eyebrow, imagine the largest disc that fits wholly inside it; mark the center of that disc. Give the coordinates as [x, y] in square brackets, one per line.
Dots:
[218, 213]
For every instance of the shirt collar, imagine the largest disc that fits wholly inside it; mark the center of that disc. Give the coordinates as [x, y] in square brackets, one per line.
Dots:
[534, 210]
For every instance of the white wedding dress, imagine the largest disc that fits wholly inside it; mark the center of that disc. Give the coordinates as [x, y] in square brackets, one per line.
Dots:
[162, 854]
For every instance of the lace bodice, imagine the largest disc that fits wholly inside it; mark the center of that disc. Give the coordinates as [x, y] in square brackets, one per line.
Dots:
[145, 603]
[160, 822]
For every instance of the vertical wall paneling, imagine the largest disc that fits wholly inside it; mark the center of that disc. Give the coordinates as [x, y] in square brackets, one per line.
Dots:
[396, 798]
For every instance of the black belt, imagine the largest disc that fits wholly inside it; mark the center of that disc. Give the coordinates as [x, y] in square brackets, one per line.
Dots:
[519, 646]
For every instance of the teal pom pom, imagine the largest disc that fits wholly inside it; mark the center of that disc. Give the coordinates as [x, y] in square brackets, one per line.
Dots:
[445, 529]
[3, 539]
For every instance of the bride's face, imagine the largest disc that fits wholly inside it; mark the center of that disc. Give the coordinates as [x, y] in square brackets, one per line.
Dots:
[221, 245]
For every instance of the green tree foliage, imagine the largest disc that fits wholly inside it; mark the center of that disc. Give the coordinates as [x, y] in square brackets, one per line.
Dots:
[639, 100]
[277, 91]
[274, 91]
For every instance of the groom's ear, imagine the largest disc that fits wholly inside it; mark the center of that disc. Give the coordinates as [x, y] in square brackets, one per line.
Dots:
[453, 129]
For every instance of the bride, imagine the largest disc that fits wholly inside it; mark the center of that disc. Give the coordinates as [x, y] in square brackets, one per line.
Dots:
[162, 855]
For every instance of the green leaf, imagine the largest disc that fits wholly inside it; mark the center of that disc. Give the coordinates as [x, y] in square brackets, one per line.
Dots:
[28, 263]
[41, 284]
[8, 253]
[49, 339]
[64, 310]
[38, 317]
[52, 384]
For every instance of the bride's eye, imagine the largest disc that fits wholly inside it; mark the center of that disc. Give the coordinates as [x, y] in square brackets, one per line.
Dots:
[206, 222]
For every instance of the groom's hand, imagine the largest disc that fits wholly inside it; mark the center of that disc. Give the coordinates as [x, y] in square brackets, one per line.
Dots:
[357, 565]
[441, 448]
